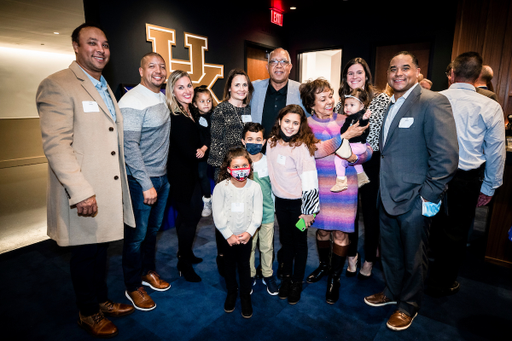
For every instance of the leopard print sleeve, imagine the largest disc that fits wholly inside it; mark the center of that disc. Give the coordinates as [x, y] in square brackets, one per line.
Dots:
[378, 108]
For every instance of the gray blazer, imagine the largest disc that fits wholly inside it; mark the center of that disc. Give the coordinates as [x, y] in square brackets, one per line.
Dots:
[421, 159]
[260, 91]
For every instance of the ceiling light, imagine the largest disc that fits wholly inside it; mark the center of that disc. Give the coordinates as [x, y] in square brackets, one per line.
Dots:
[56, 33]
[293, 8]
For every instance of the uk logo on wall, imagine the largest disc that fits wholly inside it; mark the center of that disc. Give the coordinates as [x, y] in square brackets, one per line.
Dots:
[201, 73]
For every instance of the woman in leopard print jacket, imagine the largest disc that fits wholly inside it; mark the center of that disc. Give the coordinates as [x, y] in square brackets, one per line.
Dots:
[356, 74]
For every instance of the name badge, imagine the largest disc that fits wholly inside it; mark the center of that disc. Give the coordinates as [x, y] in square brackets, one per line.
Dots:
[203, 122]
[262, 172]
[246, 118]
[90, 106]
[237, 207]
[281, 159]
[406, 122]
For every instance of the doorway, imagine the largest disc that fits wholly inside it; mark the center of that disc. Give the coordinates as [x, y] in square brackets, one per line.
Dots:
[325, 64]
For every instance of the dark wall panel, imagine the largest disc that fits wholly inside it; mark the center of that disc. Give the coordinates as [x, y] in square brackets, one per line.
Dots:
[226, 26]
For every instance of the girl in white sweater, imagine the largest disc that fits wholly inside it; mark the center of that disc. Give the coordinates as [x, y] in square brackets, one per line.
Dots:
[237, 205]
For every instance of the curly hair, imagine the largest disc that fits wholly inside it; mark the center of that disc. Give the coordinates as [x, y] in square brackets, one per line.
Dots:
[233, 153]
[310, 89]
[305, 134]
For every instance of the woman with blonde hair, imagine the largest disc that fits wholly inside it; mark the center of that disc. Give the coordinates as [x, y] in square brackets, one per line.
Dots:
[182, 170]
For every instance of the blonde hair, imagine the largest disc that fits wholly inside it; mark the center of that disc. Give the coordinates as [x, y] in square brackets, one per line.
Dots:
[174, 106]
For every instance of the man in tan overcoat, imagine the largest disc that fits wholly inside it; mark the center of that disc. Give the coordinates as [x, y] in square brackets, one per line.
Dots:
[88, 200]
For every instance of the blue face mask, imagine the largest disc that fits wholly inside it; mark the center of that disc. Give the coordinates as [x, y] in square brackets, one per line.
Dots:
[429, 209]
[253, 148]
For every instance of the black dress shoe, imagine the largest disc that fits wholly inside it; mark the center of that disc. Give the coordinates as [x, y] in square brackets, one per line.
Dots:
[192, 258]
[435, 291]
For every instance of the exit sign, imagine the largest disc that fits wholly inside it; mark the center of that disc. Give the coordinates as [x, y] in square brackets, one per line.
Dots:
[276, 17]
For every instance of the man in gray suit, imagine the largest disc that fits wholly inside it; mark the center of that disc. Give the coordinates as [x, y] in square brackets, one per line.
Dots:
[267, 100]
[419, 155]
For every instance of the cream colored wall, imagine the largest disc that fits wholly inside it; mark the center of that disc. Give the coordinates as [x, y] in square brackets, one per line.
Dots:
[21, 72]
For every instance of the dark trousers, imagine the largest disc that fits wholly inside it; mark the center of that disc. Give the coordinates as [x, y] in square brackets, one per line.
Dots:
[88, 268]
[294, 250]
[451, 225]
[237, 257]
[368, 195]
[404, 242]
[189, 214]
[204, 179]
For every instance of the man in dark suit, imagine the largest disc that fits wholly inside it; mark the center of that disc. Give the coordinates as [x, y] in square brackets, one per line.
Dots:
[419, 155]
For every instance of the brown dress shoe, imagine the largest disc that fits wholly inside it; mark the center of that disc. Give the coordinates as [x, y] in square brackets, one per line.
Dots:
[97, 325]
[140, 299]
[400, 320]
[378, 300]
[110, 308]
[153, 280]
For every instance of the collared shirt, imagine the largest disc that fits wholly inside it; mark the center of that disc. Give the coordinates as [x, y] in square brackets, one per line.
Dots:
[102, 87]
[274, 102]
[396, 104]
[480, 133]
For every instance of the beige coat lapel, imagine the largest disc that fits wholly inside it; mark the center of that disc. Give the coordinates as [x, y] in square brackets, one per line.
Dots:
[91, 89]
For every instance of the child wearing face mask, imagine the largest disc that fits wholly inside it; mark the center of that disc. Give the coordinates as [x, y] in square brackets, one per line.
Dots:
[237, 205]
[202, 109]
[354, 106]
[264, 237]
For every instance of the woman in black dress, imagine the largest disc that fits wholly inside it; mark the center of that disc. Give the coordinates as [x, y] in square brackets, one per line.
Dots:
[182, 169]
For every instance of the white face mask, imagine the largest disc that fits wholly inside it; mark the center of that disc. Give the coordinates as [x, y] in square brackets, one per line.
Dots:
[240, 174]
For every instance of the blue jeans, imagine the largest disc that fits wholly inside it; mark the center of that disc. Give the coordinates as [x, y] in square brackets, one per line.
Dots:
[140, 242]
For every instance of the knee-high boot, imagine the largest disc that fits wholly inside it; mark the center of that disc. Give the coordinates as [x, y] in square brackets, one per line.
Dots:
[324, 254]
[339, 254]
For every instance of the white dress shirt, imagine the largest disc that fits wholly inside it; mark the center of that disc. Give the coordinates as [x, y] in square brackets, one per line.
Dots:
[480, 133]
[396, 104]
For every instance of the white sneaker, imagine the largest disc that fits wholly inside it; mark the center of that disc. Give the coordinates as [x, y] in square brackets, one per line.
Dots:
[207, 208]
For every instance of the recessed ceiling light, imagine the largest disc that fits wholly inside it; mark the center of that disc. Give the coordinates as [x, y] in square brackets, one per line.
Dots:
[293, 8]
[56, 33]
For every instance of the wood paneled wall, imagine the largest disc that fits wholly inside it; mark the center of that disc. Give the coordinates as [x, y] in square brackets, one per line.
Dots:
[485, 26]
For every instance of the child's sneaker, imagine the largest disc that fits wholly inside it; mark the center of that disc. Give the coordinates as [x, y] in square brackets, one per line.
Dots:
[341, 185]
[271, 284]
[362, 179]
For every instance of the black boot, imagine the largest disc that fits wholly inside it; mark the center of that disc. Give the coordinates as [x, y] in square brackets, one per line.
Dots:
[186, 270]
[245, 300]
[333, 282]
[295, 290]
[324, 250]
[229, 304]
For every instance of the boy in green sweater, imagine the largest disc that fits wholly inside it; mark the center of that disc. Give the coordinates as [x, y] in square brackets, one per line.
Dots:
[264, 237]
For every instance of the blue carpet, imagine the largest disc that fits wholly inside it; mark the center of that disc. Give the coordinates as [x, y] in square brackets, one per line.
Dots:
[38, 301]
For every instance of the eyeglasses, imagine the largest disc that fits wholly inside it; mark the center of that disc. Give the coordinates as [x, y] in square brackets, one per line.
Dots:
[283, 62]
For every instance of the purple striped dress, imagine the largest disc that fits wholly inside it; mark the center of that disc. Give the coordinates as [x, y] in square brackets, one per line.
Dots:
[337, 210]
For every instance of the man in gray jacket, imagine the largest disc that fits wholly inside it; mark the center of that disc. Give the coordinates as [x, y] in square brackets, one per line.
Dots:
[267, 100]
[419, 156]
